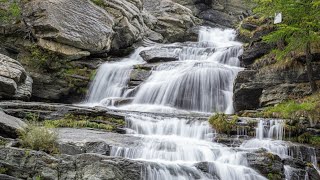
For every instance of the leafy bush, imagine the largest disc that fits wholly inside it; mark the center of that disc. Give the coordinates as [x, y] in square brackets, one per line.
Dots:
[222, 124]
[39, 138]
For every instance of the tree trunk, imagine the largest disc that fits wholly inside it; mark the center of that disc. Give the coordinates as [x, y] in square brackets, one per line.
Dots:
[309, 57]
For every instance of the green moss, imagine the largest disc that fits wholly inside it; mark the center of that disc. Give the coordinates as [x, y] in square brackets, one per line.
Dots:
[10, 13]
[315, 140]
[41, 60]
[294, 109]
[98, 2]
[2, 143]
[245, 32]
[73, 121]
[222, 123]
[273, 176]
[77, 124]
[3, 170]
[304, 138]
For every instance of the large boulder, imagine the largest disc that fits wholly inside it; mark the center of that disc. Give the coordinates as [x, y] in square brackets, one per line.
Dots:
[161, 54]
[9, 125]
[79, 25]
[14, 81]
[172, 20]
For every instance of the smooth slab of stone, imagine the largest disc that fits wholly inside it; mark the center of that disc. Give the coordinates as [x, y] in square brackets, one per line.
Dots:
[76, 141]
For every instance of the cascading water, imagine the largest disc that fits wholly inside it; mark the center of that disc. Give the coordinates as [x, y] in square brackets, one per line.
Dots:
[269, 135]
[201, 80]
[111, 80]
[173, 147]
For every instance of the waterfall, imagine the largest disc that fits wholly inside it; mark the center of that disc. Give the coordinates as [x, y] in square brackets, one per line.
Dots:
[172, 147]
[269, 135]
[201, 80]
[111, 80]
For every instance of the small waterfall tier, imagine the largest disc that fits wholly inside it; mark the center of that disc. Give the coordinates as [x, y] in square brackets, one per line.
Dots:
[177, 148]
[199, 76]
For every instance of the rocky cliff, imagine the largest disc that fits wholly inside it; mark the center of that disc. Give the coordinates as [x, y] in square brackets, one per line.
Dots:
[267, 81]
[60, 43]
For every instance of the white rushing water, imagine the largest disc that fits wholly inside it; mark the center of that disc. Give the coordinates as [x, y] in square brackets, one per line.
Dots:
[201, 80]
[172, 147]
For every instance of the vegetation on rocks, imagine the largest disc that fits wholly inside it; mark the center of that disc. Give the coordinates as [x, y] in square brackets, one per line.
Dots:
[39, 138]
[308, 107]
[298, 31]
[10, 11]
[222, 123]
[80, 121]
[40, 59]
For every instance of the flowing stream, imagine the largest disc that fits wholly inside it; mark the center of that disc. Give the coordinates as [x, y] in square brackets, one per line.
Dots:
[200, 81]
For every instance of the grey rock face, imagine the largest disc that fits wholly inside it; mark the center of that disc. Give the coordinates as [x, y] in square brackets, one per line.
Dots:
[14, 82]
[9, 126]
[78, 141]
[172, 20]
[266, 163]
[27, 164]
[218, 13]
[76, 23]
[254, 52]
[264, 87]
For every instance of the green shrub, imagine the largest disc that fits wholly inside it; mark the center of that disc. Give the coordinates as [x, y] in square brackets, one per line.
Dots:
[222, 124]
[39, 138]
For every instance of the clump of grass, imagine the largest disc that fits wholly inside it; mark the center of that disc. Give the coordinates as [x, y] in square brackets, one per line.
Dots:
[294, 109]
[76, 124]
[287, 109]
[80, 121]
[222, 124]
[39, 138]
